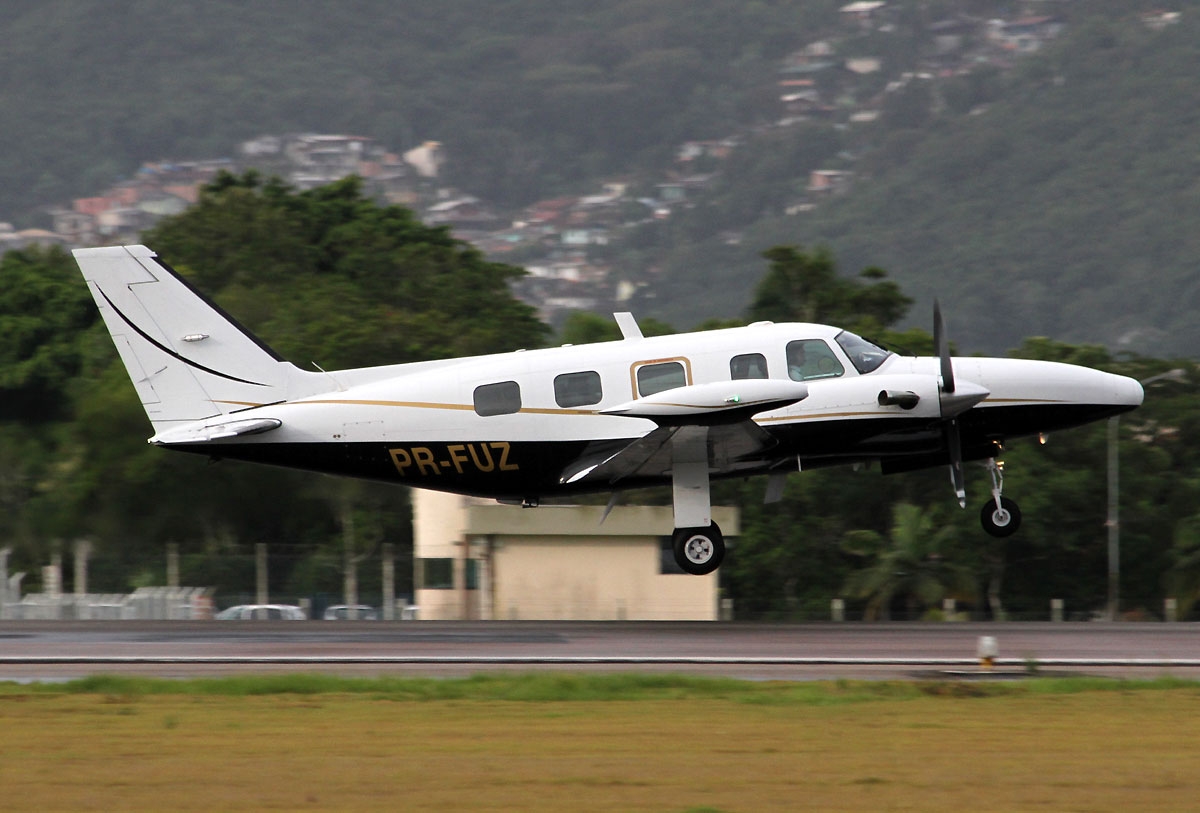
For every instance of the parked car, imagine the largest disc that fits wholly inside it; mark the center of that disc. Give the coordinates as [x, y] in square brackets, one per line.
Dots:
[341, 612]
[261, 612]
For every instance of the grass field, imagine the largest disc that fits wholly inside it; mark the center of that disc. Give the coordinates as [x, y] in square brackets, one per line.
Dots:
[584, 743]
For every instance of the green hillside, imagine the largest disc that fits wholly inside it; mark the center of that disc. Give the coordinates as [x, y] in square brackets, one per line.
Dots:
[1068, 206]
[529, 97]
[1057, 196]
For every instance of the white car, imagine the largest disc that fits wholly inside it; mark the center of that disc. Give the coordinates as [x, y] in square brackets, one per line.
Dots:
[262, 612]
[341, 612]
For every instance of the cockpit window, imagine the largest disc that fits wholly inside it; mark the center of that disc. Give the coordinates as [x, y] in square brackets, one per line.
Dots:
[812, 358]
[865, 356]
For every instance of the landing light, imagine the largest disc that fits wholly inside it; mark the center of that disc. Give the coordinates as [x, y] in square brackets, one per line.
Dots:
[1042, 438]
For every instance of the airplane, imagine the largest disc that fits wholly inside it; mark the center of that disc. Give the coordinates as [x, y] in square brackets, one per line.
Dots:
[527, 425]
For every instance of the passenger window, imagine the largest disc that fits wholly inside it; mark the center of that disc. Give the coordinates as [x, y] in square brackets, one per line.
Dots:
[577, 389]
[659, 377]
[498, 399]
[811, 358]
[750, 365]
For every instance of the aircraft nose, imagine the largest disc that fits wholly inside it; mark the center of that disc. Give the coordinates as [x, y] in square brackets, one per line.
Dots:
[1129, 391]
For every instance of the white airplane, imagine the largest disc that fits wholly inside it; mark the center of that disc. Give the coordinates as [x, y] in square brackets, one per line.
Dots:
[526, 425]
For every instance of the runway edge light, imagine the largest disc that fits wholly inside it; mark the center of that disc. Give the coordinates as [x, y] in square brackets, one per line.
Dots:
[987, 651]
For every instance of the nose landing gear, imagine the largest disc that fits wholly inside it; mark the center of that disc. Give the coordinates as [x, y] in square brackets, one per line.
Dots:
[999, 516]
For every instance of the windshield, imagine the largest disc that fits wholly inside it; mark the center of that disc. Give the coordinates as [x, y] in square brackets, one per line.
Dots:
[865, 356]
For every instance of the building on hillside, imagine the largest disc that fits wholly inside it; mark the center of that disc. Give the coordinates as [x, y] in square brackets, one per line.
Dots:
[477, 559]
[829, 181]
[1026, 34]
[465, 212]
[13, 240]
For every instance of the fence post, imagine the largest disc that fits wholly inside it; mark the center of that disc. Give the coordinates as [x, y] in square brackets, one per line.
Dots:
[4, 552]
[1056, 609]
[837, 609]
[389, 582]
[172, 564]
[260, 573]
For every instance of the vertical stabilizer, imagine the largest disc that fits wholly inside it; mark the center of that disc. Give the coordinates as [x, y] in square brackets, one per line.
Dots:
[188, 359]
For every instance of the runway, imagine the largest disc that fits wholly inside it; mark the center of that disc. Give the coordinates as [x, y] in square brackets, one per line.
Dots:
[63, 650]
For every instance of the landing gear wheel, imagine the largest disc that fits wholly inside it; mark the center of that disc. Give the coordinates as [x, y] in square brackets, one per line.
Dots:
[1002, 521]
[699, 551]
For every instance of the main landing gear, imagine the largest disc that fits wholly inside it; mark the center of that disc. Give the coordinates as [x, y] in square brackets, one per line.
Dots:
[699, 551]
[1000, 516]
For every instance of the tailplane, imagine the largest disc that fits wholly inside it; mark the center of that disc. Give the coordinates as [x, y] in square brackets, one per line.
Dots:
[188, 359]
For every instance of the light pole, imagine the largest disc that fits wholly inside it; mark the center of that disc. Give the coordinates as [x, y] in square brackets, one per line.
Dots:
[1114, 499]
[1114, 526]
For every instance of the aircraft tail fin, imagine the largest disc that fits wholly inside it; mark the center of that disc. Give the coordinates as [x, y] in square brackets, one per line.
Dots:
[187, 358]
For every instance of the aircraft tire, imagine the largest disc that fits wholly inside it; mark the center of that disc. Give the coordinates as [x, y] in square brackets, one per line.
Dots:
[1003, 522]
[699, 551]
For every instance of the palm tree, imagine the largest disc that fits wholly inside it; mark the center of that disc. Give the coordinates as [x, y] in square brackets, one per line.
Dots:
[911, 565]
[1183, 579]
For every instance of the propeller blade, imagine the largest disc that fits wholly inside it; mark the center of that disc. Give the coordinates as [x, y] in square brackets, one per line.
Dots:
[943, 348]
[954, 447]
[952, 404]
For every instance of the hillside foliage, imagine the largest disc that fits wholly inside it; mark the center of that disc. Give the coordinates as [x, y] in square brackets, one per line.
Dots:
[1055, 196]
[1060, 199]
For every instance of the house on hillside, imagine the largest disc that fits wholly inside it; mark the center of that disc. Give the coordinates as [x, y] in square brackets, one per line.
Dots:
[426, 159]
[76, 228]
[13, 240]
[862, 12]
[829, 181]
[1158, 20]
[1024, 35]
[951, 35]
[465, 212]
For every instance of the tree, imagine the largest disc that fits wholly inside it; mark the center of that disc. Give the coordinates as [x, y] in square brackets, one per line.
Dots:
[914, 565]
[584, 327]
[403, 291]
[805, 287]
[327, 273]
[45, 310]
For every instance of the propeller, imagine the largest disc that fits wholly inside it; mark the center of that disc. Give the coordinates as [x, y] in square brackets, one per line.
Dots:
[942, 348]
[954, 399]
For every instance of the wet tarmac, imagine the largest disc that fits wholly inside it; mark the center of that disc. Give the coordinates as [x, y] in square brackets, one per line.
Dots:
[62, 650]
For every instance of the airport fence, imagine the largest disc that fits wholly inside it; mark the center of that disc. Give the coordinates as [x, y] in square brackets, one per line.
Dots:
[143, 604]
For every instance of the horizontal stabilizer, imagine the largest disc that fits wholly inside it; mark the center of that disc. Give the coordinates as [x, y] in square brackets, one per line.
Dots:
[716, 402]
[204, 432]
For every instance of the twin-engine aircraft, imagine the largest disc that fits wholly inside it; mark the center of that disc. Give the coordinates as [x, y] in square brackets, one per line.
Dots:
[526, 425]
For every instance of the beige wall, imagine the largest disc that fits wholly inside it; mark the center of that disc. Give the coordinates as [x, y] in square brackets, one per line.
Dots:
[558, 562]
[595, 579]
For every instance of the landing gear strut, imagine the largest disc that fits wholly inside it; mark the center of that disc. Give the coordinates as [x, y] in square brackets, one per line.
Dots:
[1000, 516]
[699, 551]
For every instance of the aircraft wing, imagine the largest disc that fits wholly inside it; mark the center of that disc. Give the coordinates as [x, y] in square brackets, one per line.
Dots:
[652, 454]
[719, 402]
[707, 420]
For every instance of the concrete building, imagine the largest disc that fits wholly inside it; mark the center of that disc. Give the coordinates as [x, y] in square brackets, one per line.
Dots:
[476, 559]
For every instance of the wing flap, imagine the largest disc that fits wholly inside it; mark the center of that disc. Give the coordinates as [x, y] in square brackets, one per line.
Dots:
[731, 447]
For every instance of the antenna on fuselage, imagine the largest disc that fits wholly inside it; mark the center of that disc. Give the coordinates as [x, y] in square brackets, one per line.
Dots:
[629, 326]
[336, 383]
